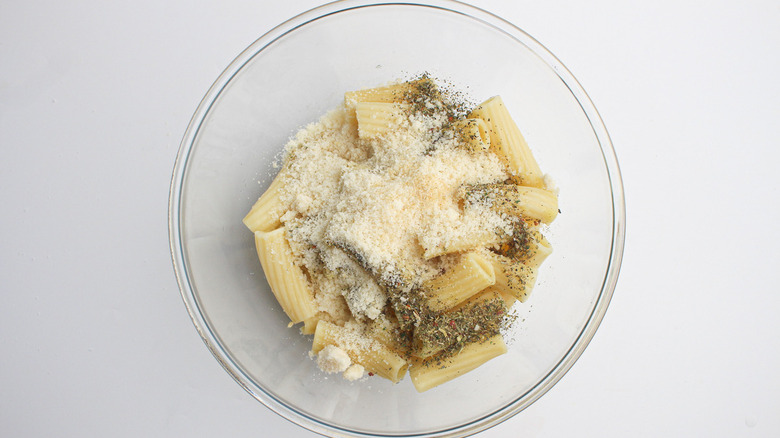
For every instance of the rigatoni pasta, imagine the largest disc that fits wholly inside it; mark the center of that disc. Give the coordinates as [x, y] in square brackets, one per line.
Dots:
[388, 93]
[433, 371]
[515, 200]
[403, 228]
[472, 273]
[460, 242]
[287, 280]
[507, 141]
[377, 118]
[474, 132]
[374, 356]
[266, 212]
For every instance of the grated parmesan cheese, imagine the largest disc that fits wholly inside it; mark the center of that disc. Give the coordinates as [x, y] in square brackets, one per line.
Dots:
[332, 359]
[381, 199]
[354, 372]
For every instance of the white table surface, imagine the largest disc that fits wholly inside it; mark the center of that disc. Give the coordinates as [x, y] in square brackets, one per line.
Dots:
[94, 99]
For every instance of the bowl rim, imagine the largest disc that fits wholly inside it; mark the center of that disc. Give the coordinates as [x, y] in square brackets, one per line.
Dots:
[181, 270]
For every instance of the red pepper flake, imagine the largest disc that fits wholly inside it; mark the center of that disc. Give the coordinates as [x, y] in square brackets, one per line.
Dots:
[370, 373]
[452, 323]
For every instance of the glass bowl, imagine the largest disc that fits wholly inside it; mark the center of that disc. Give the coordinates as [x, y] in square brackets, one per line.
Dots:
[289, 78]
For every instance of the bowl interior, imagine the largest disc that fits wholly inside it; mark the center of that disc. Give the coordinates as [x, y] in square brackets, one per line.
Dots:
[293, 76]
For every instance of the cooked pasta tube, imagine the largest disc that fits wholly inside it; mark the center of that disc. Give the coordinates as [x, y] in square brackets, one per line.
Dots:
[517, 276]
[514, 200]
[377, 118]
[487, 295]
[474, 132]
[473, 273]
[541, 249]
[267, 210]
[387, 93]
[479, 238]
[309, 325]
[475, 320]
[525, 244]
[374, 356]
[507, 141]
[509, 299]
[287, 280]
[434, 371]
[384, 330]
[513, 277]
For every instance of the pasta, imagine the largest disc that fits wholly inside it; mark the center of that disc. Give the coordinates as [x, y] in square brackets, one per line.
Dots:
[376, 118]
[457, 325]
[287, 280]
[462, 242]
[389, 93]
[266, 212]
[401, 231]
[434, 371]
[473, 273]
[516, 275]
[507, 141]
[374, 356]
[475, 133]
[515, 200]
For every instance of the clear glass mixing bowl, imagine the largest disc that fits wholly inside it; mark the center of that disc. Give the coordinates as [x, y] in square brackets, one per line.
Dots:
[294, 74]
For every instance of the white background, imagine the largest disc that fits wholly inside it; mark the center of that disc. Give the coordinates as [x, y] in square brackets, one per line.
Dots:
[95, 339]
